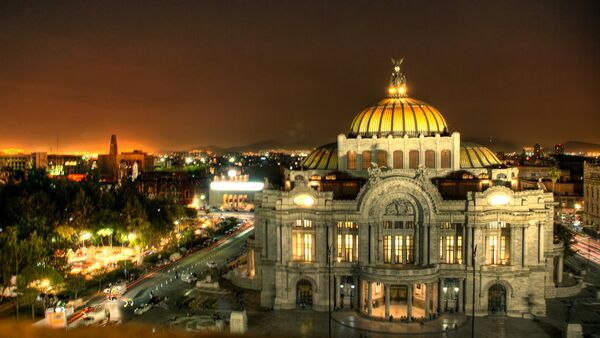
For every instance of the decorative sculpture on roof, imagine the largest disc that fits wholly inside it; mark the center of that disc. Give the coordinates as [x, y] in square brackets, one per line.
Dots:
[375, 172]
[398, 81]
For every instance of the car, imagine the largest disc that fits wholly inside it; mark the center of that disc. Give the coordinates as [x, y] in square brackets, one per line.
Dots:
[211, 264]
[188, 278]
[143, 308]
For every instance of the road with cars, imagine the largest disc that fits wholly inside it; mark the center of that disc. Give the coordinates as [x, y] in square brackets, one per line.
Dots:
[164, 284]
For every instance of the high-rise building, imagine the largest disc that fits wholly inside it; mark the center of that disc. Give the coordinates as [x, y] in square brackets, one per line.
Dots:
[537, 151]
[559, 149]
[591, 193]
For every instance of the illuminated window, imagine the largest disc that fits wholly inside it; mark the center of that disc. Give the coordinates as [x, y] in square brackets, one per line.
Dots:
[409, 249]
[459, 248]
[493, 245]
[445, 158]
[308, 245]
[413, 159]
[502, 250]
[315, 177]
[339, 247]
[429, 159]
[381, 158]
[398, 249]
[366, 159]
[449, 249]
[303, 223]
[441, 248]
[351, 157]
[349, 254]
[398, 159]
[387, 249]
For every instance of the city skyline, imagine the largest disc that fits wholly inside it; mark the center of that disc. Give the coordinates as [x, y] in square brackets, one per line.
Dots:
[159, 76]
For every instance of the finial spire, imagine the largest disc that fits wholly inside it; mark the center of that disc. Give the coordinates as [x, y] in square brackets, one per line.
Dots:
[397, 87]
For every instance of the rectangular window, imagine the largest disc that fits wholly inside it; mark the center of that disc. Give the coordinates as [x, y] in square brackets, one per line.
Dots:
[339, 247]
[303, 223]
[409, 225]
[493, 245]
[297, 246]
[503, 250]
[387, 249]
[441, 248]
[308, 245]
[450, 249]
[398, 249]
[459, 248]
[388, 224]
[409, 249]
[355, 247]
[348, 249]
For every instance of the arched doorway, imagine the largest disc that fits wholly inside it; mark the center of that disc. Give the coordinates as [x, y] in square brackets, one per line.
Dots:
[304, 294]
[497, 299]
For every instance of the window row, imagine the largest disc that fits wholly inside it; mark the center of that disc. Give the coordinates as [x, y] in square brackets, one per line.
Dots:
[398, 249]
[451, 249]
[381, 158]
[347, 247]
[303, 246]
[398, 224]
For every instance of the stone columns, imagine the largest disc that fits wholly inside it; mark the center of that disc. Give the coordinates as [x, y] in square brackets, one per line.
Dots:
[461, 294]
[426, 246]
[386, 287]
[336, 291]
[409, 299]
[417, 245]
[370, 298]
[513, 246]
[465, 247]
[428, 300]
[524, 247]
[441, 296]
[469, 245]
[559, 272]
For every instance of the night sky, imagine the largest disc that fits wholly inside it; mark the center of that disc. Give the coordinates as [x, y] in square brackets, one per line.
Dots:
[177, 74]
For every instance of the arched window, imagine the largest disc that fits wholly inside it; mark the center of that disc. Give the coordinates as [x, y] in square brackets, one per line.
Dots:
[413, 159]
[351, 157]
[398, 159]
[429, 159]
[445, 155]
[381, 158]
[366, 159]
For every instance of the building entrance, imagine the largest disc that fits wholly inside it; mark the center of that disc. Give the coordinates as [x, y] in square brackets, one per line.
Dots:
[304, 294]
[497, 299]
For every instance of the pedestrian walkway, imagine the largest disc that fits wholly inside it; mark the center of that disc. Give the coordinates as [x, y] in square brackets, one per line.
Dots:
[444, 323]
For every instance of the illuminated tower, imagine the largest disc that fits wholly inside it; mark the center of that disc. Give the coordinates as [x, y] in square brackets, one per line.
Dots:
[113, 146]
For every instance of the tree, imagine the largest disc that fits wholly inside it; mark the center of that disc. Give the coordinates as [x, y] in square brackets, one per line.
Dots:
[75, 284]
[106, 232]
[554, 175]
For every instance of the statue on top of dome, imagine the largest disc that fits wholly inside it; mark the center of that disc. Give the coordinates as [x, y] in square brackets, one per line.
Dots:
[398, 81]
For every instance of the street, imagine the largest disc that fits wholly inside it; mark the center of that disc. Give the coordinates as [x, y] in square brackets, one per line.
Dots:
[165, 284]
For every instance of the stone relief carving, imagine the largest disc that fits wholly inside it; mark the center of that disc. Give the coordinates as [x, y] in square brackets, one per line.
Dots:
[398, 208]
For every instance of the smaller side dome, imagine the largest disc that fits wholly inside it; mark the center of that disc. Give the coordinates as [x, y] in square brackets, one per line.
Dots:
[473, 155]
[322, 158]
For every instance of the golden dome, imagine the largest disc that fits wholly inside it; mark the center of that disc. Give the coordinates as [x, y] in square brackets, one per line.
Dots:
[473, 155]
[322, 158]
[398, 116]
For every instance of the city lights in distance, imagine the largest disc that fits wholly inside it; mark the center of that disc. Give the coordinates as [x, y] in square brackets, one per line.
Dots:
[236, 186]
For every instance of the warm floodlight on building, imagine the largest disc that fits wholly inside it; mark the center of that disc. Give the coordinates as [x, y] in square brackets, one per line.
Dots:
[499, 199]
[236, 186]
[304, 199]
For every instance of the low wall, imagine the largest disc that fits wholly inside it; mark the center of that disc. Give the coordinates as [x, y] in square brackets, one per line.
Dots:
[570, 291]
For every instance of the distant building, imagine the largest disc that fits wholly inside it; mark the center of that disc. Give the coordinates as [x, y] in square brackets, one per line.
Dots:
[19, 162]
[114, 166]
[233, 192]
[184, 188]
[559, 149]
[591, 193]
[537, 151]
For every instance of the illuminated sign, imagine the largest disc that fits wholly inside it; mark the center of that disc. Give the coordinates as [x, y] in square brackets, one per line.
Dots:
[236, 186]
[304, 199]
[499, 199]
